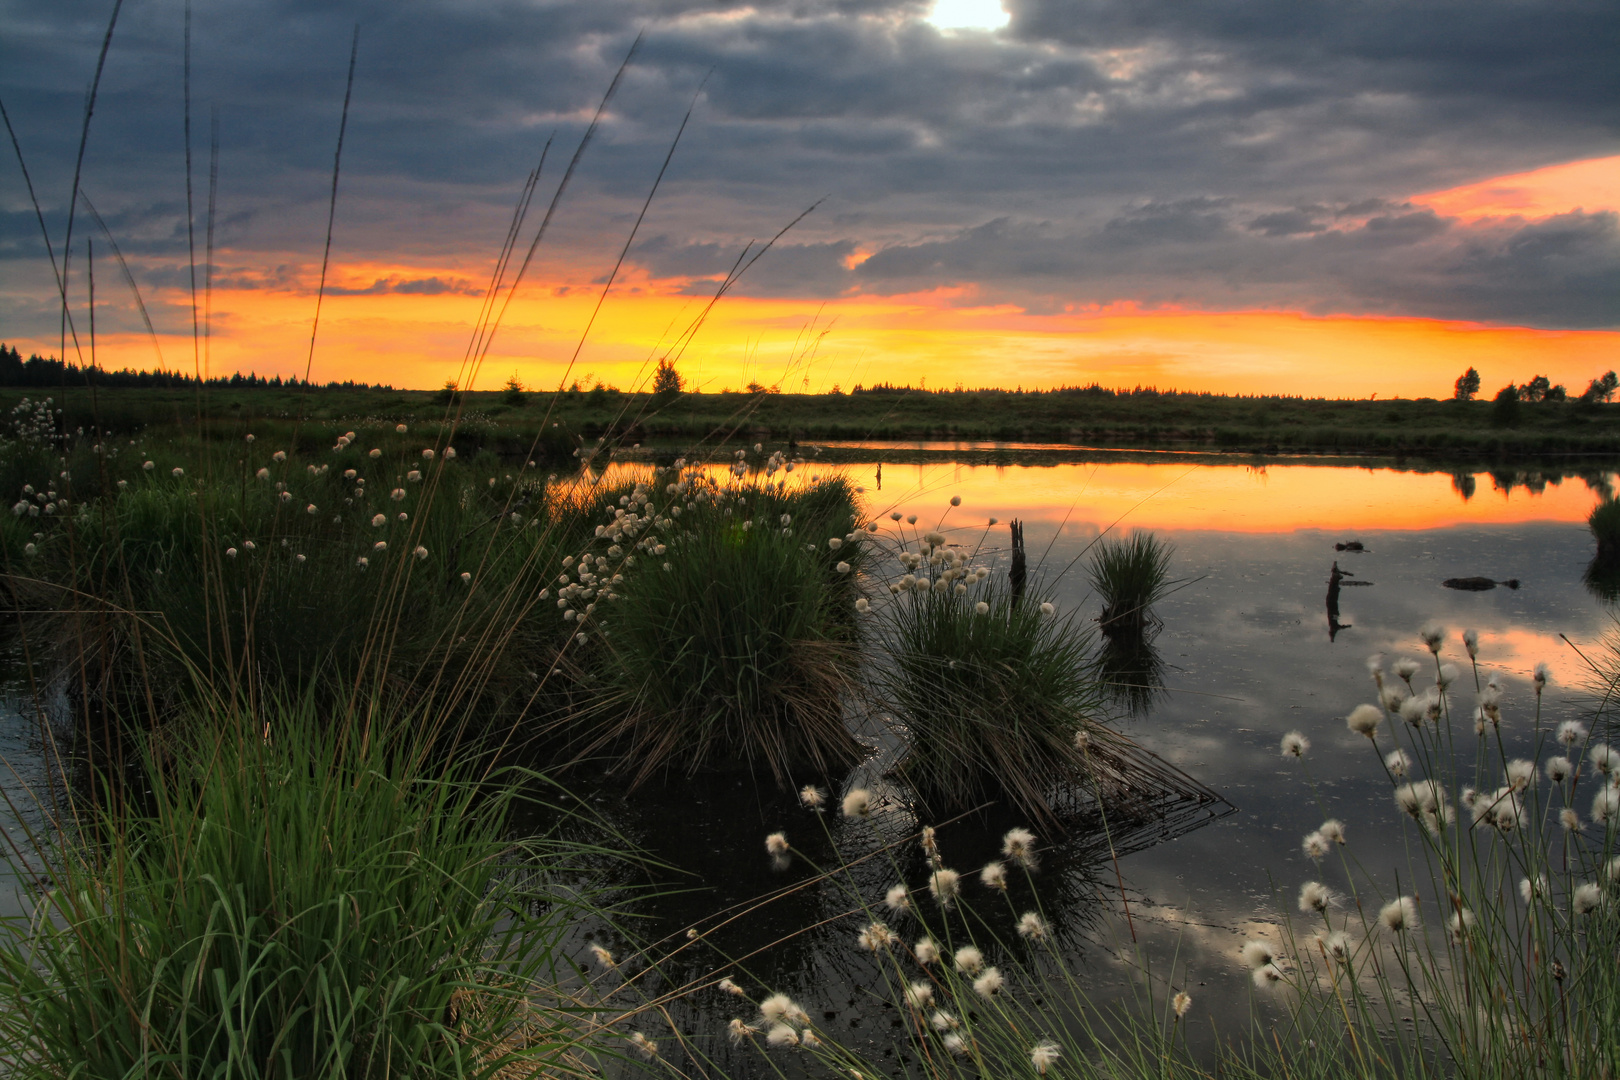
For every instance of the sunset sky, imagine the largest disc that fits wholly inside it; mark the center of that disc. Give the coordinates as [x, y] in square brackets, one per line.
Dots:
[1250, 196]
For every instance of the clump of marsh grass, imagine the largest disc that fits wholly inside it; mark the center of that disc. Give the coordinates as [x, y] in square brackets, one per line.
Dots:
[292, 898]
[1130, 576]
[727, 637]
[991, 690]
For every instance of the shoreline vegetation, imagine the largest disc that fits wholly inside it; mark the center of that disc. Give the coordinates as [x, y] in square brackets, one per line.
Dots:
[1072, 420]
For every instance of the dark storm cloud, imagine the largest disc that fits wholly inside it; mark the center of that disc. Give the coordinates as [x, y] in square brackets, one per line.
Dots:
[1251, 153]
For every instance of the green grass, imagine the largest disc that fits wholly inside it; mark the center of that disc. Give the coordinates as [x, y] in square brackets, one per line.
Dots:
[293, 898]
[729, 639]
[991, 700]
[1129, 575]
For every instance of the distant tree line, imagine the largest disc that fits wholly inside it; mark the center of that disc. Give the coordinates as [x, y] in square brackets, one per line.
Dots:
[1539, 388]
[50, 373]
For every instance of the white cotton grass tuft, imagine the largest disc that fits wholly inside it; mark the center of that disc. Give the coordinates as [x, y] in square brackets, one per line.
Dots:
[1019, 846]
[1181, 1003]
[1558, 768]
[989, 984]
[1569, 819]
[956, 1044]
[1315, 845]
[1314, 897]
[1448, 675]
[1586, 898]
[1364, 720]
[1521, 774]
[994, 876]
[1032, 926]
[863, 605]
[782, 1037]
[777, 844]
[1471, 643]
[926, 951]
[730, 986]
[740, 1032]
[1529, 888]
[1047, 608]
[981, 608]
[1571, 732]
[858, 804]
[1603, 758]
[1044, 1055]
[1335, 945]
[1406, 667]
[777, 1008]
[944, 885]
[604, 958]
[1397, 762]
[1433, 635]
[1294, 744]
[1333, 830]
[1399, 914]
[1257, 954]
[1540, 677]
[1462, 921]
[969, 960]
[898, 898]
[920, 996]
[1606, 805]
[1265, 976]
[644, 1046]
[1414, 709]
[812, 797]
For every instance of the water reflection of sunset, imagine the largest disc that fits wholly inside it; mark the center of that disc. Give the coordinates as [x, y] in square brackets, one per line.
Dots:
[1232, 498]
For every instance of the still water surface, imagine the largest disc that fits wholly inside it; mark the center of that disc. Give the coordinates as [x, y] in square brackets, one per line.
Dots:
[1247, 652]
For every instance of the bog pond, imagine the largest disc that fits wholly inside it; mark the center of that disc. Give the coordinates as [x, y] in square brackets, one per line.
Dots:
[1253, 644]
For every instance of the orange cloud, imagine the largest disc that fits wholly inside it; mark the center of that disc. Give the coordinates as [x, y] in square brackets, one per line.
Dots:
[1593, 184]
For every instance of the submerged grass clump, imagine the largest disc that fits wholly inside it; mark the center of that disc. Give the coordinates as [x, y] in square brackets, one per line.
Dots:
[730, 639]
[1130, 576]
[992, 691]
[294, 898]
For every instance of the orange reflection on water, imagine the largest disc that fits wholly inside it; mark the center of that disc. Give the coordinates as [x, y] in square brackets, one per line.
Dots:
[1230, 498]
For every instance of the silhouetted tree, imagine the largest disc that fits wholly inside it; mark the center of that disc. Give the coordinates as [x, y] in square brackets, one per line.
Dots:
[515, 392]
[666, 381]
[1602, 389]
[1505, 406]
[1467, 385]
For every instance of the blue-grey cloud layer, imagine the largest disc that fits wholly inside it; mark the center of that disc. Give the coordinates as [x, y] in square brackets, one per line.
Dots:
[1249, 153]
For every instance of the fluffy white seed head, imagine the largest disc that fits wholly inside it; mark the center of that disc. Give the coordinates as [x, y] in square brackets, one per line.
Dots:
[1364, 720]
[945, 885]
[1606, 805]
[858, 804]
[1045, 1054]
[1571, 732]
[1521, 773]
[989, 984]
[926, 951]
[1257, 954]
[812, 797]
[1406, 667]
[1315, 845]
[1032, 926]
[1604, 758]
[782, 1037]
[1294, 744]
[1558, 769]
[969, 960]
[1181, 1003]
[1462, 921]
[1314, 897]
[920, 996]
[898, 898]
[1569, 819]
[1019, 846]
[994, 875]
[1397, 763]
[777, 843]
[1471, 643]
[1586, 898]
[1433, 635]
[1399, 914]
[1266, 976]
[1332, 830]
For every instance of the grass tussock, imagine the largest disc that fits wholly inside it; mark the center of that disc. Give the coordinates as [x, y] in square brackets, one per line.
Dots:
[1130, 576]
[295, 899]
[992, 691]
[730, 639]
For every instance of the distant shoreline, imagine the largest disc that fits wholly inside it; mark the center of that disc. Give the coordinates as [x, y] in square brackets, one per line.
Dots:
[989, 425]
